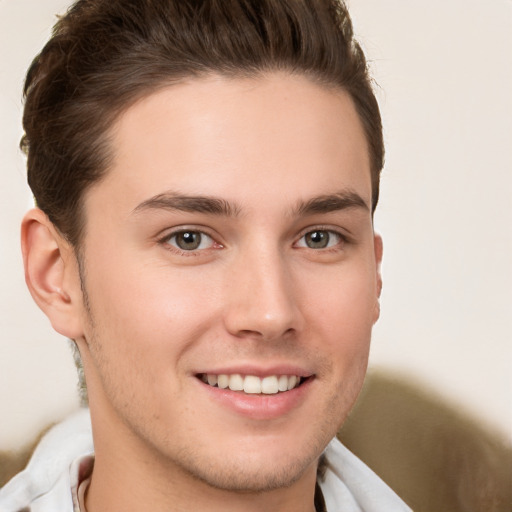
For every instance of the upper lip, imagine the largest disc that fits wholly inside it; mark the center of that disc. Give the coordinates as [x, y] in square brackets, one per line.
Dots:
[257, 370]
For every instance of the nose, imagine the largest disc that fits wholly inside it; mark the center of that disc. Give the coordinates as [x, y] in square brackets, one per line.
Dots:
[263, 301]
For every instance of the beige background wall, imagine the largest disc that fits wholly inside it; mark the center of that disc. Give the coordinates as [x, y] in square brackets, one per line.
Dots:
[444, 68]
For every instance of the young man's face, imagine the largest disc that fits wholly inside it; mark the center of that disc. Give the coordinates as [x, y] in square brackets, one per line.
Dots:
[230, 241]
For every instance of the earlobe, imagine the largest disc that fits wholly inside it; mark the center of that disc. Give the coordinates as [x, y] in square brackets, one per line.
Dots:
[51, 273]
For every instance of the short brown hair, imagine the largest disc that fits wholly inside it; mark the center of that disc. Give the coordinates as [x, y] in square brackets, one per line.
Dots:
[106, 54]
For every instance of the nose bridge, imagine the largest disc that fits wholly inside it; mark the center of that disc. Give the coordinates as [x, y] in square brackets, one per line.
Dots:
[262, 300]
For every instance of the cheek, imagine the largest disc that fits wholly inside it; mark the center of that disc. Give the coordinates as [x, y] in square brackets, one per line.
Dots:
[342, 302]
[148, 295]
[146, 317]
[340, 317]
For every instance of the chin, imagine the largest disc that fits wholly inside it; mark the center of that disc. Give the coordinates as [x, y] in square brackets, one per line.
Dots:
[261, 461]
[254, 476]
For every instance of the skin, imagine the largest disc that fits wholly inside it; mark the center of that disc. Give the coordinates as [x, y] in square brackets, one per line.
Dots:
[255, 295]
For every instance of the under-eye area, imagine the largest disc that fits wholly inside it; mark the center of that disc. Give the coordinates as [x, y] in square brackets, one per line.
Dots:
[252, 384]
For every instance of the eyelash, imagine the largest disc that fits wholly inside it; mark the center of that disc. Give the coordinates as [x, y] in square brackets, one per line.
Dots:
[166, 241]
[342, 238]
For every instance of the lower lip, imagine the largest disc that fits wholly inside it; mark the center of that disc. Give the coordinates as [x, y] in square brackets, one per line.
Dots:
[261, 406]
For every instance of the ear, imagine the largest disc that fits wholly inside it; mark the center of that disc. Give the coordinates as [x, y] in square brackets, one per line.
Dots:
[51, 273]
[378, 250]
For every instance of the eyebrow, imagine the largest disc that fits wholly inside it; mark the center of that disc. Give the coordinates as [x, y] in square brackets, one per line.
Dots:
[192, 204]
[331, 202]
[220, 207]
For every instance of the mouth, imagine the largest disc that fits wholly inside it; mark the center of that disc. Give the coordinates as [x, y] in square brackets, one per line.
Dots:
[252, 384]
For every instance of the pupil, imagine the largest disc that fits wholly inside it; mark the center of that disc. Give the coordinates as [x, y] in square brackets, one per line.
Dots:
[188, 240]
[317, 239]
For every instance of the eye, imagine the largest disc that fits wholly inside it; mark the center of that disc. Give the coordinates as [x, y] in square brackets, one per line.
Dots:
[190, 240]
[320, 239]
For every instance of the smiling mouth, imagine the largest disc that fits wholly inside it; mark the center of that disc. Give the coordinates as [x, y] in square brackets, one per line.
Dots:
[253, 385]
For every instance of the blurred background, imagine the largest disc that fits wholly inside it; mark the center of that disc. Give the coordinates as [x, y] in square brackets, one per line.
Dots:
[444, 75]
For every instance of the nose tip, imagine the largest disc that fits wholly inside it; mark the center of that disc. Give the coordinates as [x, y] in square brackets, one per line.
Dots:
[262, 303]
[269, 327]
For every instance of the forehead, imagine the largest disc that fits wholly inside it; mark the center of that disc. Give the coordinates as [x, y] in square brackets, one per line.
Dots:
[279, 135]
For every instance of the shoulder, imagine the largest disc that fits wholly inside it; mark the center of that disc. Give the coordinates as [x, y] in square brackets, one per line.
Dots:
[45, 483]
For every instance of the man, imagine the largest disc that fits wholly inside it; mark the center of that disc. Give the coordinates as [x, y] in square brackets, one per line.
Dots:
[206, 175]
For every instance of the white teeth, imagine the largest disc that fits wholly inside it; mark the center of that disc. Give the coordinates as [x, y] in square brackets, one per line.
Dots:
[292, 382]
[251, 384]
[236, 382]
[223, 381]
[283, 383]
[269, 385]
